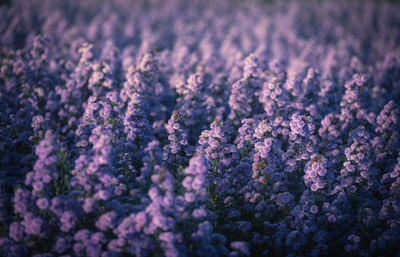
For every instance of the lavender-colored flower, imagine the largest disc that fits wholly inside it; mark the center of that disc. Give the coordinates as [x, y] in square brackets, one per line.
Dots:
[177, 151]
[42, 203]
[212, 143]
[315, 172]
[16, 231]
[68, 220]
[241, 247]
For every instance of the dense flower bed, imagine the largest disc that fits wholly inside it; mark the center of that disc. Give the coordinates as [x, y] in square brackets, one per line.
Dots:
[221, 128]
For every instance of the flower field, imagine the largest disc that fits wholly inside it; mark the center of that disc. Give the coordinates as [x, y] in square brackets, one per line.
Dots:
[199, 128]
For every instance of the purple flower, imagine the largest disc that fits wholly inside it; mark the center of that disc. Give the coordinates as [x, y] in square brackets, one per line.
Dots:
[42, 203]
[68, 220]
[241, 247]
[16, 231]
